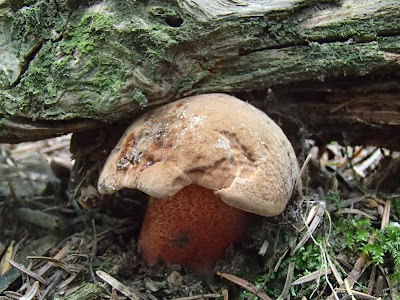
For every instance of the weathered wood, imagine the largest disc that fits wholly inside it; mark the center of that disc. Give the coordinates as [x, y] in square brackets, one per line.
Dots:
[332, 66]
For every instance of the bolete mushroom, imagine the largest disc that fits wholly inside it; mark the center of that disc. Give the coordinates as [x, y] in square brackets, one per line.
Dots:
[206, 162]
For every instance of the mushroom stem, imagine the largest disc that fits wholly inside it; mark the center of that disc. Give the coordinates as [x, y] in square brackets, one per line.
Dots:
[193, 228]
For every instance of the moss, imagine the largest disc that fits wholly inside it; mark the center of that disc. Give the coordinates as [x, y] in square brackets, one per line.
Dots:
[166, 15]
[140, 98]
[85, 61]
[389, 44]
[55, 68]
[37, 20]
[185, 83]
[357, 29]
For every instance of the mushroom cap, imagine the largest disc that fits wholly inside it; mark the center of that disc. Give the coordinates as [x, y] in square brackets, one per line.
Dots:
[214, 140]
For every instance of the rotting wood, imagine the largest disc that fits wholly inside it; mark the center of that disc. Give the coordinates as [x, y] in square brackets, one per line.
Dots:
[40, 218]
[333, 66]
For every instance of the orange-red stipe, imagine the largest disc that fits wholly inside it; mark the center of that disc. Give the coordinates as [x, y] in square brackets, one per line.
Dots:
[193, 228]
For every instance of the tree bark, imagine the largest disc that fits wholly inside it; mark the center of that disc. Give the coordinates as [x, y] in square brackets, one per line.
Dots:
[331, 67]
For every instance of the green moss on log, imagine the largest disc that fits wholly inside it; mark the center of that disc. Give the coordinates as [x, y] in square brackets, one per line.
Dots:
[104, 61]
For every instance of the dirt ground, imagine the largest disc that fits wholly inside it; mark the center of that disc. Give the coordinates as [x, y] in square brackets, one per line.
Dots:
[338, 239]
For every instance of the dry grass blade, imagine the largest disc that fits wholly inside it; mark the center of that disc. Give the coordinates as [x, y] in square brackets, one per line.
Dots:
[303, 168]
[345, 203]
[11, 295]
[393, 289]
[354, 211]
[288, 281]
[311, 277]
[203, 296]
[311, 214]
[28, 272]
[386, 214]
[338, 278]
[54, 261]
[314, 224]
[5, 265]
[54, 280]
[67, 281]
[61, 254]
[348, 289]
[278, 263]
[359, 295]
[245, 284]
[31, 293]
[127, 291]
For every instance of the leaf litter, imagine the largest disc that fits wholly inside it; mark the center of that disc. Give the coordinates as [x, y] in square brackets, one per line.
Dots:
[60, 240]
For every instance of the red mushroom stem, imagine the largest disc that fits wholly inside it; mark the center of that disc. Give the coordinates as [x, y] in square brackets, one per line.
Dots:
[193, 228]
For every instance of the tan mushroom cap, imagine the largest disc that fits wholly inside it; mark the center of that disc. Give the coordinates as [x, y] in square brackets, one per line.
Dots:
[214, 140]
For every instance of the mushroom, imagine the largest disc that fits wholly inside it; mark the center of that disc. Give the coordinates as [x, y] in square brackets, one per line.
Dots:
[207, 162]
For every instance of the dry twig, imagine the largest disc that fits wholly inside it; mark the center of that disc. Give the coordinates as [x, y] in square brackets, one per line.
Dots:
[245, 284]
[289, 277]
[311, 277]
[130, 292]
[310, 229]
[203, 296]
[28, 272]
[30, 294]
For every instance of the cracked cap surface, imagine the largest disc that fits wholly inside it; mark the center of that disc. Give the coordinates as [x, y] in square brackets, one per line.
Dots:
[214, 140]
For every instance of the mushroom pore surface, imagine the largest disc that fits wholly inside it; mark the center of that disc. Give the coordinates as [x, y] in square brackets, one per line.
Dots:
[215, 141]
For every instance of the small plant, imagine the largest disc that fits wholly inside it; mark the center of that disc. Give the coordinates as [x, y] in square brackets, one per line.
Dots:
[356, 231]
[258, 283]
[386, 248]
[334, 197]
[306, 260]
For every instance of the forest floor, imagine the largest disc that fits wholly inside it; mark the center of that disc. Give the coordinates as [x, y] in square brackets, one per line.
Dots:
[339, 239]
